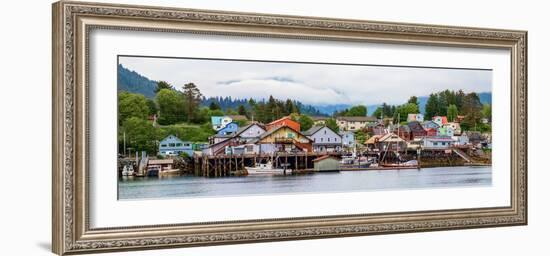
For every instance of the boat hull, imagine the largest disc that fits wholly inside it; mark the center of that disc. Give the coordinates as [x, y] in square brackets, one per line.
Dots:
[262, 171]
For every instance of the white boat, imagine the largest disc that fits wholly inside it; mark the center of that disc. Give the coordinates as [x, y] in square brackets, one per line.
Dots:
[127, 170]
[268, 169]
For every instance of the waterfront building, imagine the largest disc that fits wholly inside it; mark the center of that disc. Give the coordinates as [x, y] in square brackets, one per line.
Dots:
[354, 123]
[228, 129]
[376, 128]
[219, 122]
[251, 131]
[284, 139]
[437, 142]
[172, 145]
[160, 164]
[326, 163]
[461, 140]
[348, 139]
[389, 142]
[240, 142]
[416, 129]
[284, 121]
[431, 131]
[324, 139]
[403, 131]
[440, 120]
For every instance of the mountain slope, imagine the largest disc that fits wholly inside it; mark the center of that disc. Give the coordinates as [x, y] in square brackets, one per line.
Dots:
[133, 82]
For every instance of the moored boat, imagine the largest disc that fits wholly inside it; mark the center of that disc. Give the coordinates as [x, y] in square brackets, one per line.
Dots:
[127, 170]
[170, 172]
[408, 164]
[267, 169]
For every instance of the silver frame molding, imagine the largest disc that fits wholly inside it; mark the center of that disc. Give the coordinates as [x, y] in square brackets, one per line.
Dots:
[72, 22]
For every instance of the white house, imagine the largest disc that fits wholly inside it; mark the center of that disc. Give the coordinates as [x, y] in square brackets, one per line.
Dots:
[324, 139]
[437, 142]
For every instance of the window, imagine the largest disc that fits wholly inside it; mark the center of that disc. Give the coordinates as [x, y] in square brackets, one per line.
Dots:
[321, 139]
[328, 139]
[171, 144]
[163, 145]
[178, 144]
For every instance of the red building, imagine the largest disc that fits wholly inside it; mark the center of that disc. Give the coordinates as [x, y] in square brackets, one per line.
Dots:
[431, 132]
[282, 122]
[416, 129]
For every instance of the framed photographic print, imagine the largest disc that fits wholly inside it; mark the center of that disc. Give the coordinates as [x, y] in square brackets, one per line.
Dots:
[179, 127]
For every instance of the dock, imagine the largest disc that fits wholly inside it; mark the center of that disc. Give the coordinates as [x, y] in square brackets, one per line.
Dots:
[228, 165]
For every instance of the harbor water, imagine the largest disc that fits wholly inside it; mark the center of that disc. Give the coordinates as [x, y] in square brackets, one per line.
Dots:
[345, 181]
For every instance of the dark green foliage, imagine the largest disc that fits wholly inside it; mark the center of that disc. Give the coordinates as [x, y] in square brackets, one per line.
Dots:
[413, 100]
[452, 113]
[305, 121]
[359, 110]
[241, 110]
[487, 112]
[191, 133]
[214, 106]
[130, 81]
[171, 107]
[140, 135]
[152, 105]
[192, 98]
[286, 107]
[472, 110]
[432, 107]
[361, 136]
[404, 110]
[331, 123]
[163, 85]
[132, 105]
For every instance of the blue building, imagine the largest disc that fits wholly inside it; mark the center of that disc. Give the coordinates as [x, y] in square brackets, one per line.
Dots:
[348, 139]
[229, 128]
[172, 145]
[219, 122]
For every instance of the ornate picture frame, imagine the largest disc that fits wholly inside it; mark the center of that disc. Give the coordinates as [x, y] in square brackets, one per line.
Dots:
[72, 23]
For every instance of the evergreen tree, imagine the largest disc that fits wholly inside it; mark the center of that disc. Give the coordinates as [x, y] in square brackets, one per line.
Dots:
[192, 99]
[242, 110]
[452, 112]
[163, 85]
[432, 107]
[214, 106]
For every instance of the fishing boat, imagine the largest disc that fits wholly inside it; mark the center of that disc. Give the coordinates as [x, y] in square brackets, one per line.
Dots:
[267, 169]
[355, 162]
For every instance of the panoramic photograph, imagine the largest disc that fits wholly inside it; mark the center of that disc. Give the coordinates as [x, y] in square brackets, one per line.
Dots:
[190, 127]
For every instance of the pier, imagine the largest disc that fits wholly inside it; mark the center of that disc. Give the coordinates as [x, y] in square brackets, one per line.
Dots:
[227, 165]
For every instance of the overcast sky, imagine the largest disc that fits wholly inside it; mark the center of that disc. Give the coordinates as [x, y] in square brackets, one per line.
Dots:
[309, 83]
